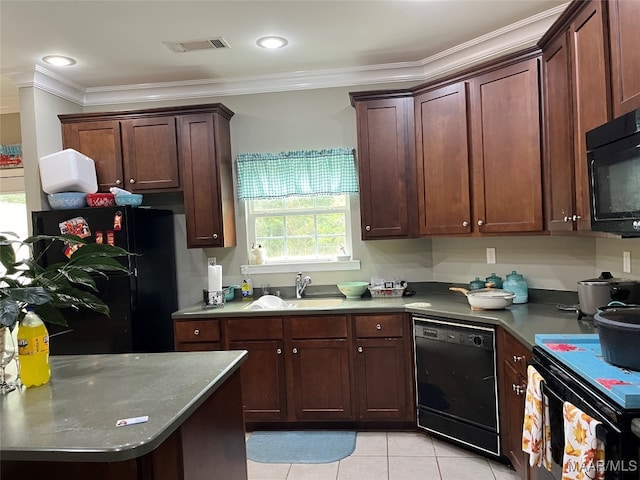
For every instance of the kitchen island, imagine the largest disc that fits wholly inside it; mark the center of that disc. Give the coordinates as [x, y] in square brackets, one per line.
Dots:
[70, 428]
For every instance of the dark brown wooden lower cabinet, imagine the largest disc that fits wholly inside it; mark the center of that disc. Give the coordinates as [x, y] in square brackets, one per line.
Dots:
[263, 380]
[513, 357]
[347, 369]
[319, 387]
[381, 373]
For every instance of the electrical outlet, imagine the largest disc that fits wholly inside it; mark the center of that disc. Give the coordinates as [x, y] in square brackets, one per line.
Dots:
[491, 256]
[626, 262]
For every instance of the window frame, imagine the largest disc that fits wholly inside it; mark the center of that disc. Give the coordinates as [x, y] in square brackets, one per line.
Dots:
[323, 263]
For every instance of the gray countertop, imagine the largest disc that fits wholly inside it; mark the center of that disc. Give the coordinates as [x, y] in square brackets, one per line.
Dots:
[522, 320]
[73, 417]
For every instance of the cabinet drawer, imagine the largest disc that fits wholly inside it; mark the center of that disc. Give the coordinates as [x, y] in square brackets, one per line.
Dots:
[254, 329]
[379, 325]
[197, 331]
[515, 353]
[317, 327]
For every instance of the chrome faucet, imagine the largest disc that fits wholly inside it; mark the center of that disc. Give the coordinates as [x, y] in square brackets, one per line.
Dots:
[301, 284]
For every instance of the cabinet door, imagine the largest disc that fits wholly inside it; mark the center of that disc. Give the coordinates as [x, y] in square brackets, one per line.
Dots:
[320, 382]
[150, 154]
[385, 160]
[263, 380]
[513, 388]
[513, 357]
[381, 373]
[591, 92]
[442, 157]
[101, 142]
[506, 157]
[624, 17]
[208, 183]
[558, 136]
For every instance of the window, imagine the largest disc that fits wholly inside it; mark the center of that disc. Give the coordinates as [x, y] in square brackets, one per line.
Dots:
[297, 203]
[300, 228]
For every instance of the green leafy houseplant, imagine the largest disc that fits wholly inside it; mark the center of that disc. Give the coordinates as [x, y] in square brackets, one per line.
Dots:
[58, 286]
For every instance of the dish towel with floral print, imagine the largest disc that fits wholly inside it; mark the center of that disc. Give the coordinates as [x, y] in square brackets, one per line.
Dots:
[536, 433]
[583, 451]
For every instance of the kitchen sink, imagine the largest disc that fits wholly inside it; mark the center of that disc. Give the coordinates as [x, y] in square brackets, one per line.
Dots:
[316, 302]
[271, 302]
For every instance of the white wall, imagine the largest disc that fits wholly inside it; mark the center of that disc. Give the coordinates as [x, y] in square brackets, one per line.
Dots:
[273, 122]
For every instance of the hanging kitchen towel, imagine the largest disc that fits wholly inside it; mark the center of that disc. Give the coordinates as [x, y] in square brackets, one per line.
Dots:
[583, 451]
[536, 434]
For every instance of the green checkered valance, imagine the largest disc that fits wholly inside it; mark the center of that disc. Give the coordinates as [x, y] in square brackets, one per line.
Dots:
[300, 173]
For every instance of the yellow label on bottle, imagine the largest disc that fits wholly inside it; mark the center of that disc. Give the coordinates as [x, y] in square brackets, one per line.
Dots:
[33, 345]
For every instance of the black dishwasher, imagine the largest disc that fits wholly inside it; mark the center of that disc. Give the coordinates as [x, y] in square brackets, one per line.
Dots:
[456, 386]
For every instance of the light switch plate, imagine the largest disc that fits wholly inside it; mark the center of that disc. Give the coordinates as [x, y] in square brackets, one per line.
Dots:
[626, 262]
[491, 256]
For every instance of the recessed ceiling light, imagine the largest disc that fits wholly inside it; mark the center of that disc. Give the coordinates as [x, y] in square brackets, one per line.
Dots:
[272, 42]
[58, 60]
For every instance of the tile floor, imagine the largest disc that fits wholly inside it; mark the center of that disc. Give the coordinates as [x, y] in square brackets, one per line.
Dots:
[392, 456]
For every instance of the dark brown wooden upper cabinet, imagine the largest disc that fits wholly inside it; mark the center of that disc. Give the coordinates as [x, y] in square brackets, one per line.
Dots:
[505, 149]
[138, 154]
[101, 141]
[442, 160]
[150, 154]
[624, 18]
[386, 165]
[559, 159]
[169, 149]
[209, 202]
[576, 97]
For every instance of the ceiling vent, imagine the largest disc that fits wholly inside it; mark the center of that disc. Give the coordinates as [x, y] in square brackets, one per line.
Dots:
[195, 45]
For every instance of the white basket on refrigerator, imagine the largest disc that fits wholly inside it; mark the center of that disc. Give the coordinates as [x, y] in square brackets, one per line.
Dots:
[68, 171]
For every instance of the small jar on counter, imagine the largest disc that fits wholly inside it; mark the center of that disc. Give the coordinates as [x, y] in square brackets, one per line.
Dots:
[495, 280]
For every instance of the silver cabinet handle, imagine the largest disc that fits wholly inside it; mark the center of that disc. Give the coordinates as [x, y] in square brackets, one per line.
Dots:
[295, 350]
[567, 219]
[480, 223]
[196, 332]
[359, 349]
[132, 180]
[576, 217]
[368, 228]
[518, 358]
[378, 327]
[465, 224]
[279, 351]
[215, 235]
[118, 182]
[519, 389]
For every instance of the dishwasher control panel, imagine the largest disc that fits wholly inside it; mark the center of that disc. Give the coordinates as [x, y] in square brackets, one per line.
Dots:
[451, 332]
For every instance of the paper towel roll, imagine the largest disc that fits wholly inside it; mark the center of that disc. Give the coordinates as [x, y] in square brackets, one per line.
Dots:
[215, 278]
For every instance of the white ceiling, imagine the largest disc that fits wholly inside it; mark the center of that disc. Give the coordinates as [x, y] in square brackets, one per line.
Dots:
[118, 44]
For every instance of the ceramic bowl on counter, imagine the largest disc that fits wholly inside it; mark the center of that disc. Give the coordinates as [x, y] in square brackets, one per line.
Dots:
[67, 200]
[100, 199]
[133, 199]
[353, 289]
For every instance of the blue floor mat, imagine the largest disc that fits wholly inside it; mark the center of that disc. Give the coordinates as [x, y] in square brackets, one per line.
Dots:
[316, 446]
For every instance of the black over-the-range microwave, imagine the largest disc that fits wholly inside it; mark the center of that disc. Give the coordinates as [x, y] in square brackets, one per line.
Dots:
[613, 153]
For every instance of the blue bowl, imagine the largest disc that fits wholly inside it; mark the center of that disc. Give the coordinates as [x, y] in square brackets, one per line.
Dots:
[67, 200]
[133, 199]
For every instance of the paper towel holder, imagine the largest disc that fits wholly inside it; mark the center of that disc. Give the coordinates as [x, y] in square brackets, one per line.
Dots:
[212, 299]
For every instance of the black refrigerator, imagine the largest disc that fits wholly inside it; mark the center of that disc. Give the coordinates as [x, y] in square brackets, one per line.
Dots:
[141, 303]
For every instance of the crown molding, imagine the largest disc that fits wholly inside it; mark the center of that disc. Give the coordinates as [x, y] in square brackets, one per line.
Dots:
[518, 36]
